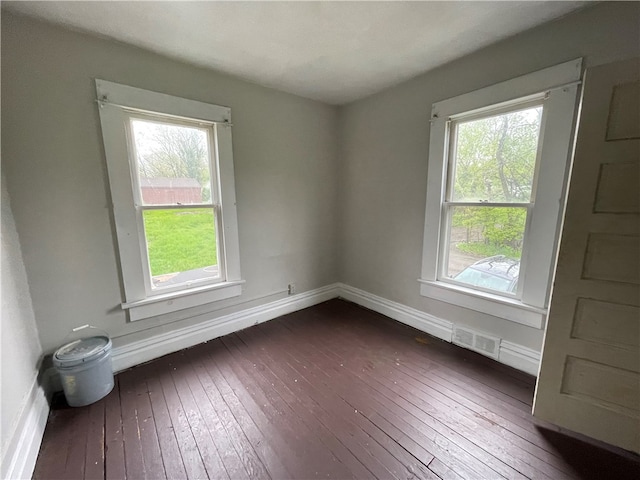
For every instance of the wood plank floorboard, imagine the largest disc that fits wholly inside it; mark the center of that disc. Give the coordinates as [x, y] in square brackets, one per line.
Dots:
[401, 413]
[114, 466]
[94, 460]
[169, 449]
[376, 443]
[242, 416]
[441, 408]
[334, 391]
[285, 402]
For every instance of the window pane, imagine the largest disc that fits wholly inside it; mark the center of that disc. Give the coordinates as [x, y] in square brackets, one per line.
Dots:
[485, 246]
[181, 245]
[173, 163]
[495, 157]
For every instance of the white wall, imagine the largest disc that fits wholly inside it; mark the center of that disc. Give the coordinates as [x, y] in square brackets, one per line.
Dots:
[285, 154]
[385, 145]
[20, 348]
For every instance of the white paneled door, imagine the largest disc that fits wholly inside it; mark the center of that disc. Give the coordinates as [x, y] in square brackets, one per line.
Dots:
[589, 378]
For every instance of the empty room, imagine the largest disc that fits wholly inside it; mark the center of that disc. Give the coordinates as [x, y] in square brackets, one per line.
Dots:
[311, 240]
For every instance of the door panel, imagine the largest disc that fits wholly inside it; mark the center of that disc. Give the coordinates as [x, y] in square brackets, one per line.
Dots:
[589, 378]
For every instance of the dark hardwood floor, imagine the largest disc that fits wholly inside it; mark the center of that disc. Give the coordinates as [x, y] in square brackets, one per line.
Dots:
[333, 391]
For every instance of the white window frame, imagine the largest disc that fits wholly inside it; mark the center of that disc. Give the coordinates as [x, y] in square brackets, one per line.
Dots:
[557, 89]
[118, 104]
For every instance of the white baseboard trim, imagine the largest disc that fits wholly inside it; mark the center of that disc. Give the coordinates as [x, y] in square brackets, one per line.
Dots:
[156, 346]
[409, 316]
[138, 352]
[519, 357]
[512, 354]
[21, 454]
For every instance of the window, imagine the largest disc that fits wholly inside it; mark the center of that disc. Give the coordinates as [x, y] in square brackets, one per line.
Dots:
[498, 163]
[171, 176]
[490, 191]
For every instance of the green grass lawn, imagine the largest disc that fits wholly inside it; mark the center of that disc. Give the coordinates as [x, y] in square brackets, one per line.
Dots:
[180, 240]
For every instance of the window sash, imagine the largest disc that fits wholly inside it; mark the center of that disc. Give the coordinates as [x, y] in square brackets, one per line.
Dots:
[140, 207]
[144, 252]
[447, 204]
[488, 112]
[209, 128]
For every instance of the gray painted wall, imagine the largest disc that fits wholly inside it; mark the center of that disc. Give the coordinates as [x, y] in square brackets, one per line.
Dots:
[20, 349]
[285, 155]
[385, 145]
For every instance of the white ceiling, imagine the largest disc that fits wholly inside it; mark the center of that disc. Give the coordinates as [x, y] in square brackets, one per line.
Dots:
[335, 52]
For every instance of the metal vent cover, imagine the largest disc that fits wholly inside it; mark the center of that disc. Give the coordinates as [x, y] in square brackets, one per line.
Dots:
[476, 341]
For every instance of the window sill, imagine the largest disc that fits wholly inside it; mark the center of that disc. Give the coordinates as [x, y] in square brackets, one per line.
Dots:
[174, 301]
[495, 305]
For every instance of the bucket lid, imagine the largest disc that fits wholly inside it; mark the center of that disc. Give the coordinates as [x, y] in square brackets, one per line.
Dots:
[80, 351]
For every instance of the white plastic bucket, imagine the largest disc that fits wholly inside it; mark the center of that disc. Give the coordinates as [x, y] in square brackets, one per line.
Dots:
[85, 369]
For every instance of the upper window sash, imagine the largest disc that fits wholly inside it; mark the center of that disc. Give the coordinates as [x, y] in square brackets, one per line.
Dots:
[453, 124]
[208, 127]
